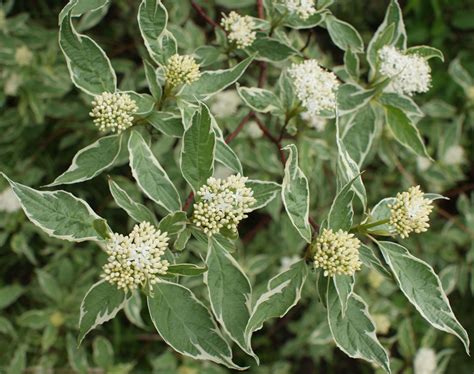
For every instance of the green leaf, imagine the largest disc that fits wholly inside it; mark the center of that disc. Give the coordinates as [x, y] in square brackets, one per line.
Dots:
[103, 352]
[283, 293]
[101, 228]
[77, 356]
[133, 308]
[352, 64]
[359, 133]
[342, 212]
[351, 97]
[460, 75]
[259, 99]
[173, 223]
[197, 152]
[152, 20]
[426, 52]
[402, 102]
[186, 270]
[370, 259]
[137, 211]
[344, 35]
[89, 67]
[91, 161]
[263, 191]
[423, 289]
[295, 194]
[168, 123]
[295, 22]
[344, 285]
[405, 131]
[186, 325]
[145, 103]
[18, 362]
[229, 293]
[354, 332]
[271, 50]
[226, 156]
[150, 175]
[152, 80]
[212, 82]
[49, 285]
[9, 294]
[59, 213]
[84, 6]
[390, 32]
[102, 303]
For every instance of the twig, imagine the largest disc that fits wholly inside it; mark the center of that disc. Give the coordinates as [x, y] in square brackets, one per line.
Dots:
[274, 140]
[188, 201]
[239, 128]
[264, 221]
[308, 39]
[260, 10]
[204, 15]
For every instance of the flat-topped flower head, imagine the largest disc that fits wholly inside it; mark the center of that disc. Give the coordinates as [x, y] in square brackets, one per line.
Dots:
[337, 253]
[303, 8]
[136, 260]
[409, 73]
[410, 212]
[23, 56]
[222, 203]
[315, 87]
[239, 29]
[113, 112]
[181, 70]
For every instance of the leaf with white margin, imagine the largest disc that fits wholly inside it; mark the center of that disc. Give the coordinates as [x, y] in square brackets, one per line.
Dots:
[137, 211]
[271, 49]
[186, 324]
[401, 102]
[360, 132]
[259, 99]
[341, 213]
[354, 332]
[423, 289]
[58, 213]
[348, 170]
[295, 194]
[426, 52]
[198, 149]
[224, 153]
[168, 123]
[91, 161]
[89, 66]
[150, 175]
[351, 97]
[229, 293]
[344, 35]
[152, 21]
[283, 293]
[214, 81]
[102, 303]
[397, 36]
[133, 308]
[263, 191]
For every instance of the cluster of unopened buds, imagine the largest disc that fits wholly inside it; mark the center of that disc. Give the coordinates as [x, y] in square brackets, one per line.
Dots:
[136, 260]
[113, 112]
[222, 204]
[181, 70]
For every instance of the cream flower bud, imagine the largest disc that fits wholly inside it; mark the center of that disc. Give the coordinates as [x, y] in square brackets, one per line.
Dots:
[303, 8]
[113, 111]
[239, 29]
[337, 253]
[315, 87]
[23, 56]
[410, 212]
[181, 70]
[222, 203]
[409, 74]
[425, 361]
[136, 260]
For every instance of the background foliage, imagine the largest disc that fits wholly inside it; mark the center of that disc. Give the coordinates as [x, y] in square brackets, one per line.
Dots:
[44, 121]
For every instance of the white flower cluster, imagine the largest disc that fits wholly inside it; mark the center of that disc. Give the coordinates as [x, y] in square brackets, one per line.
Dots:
[425, 361]
[23, 56]
[113, 111]
[304, 8]
[135, 260]
[239, 29]
[409, 74]
[337, 253]
[181, 70]
[410, 212]
[316, 122]
[225, 103]
[315, 87]
[222, 203]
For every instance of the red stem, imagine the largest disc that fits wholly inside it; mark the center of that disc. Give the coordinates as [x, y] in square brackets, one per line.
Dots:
[204, 15]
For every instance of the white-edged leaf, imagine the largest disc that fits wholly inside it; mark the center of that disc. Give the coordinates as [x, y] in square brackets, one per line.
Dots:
[89, 67]
[186, 324]
[271, 49]
[102, 303]
[342, 212]
[423, 289]
[229, 293]
[226, 156]
[152, 80]
[344, 35]
[259, 99]
[295, 194]
[58, 213]
[351, 97]
[152, 20]
[150, 175]
[426, 52]
[91, 161]
[344, 285]
[137, 211]
[168, 123]
[212, 82]
[401, 102]
[354, 331]
[460, 75]
[198, 150]
[133, 309]
[283, 293]
[186, 270]
[263, 191]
